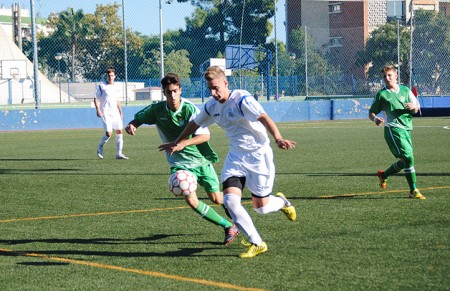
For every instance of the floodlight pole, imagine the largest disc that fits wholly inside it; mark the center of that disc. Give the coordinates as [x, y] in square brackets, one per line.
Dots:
[276, 50]
[125, 58]
[35, 55]
[161, 41]
[58, 58]
[398, 50]
[306, 63]
[292, 57]
[411, 27]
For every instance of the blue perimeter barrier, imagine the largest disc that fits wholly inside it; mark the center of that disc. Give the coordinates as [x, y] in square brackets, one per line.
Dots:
[285, 111]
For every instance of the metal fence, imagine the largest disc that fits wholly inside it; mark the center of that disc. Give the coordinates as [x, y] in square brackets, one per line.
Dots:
[315, 60]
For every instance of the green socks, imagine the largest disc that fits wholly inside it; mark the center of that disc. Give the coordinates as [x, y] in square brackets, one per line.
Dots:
[394, 169]
[211, 215]
[410, 173]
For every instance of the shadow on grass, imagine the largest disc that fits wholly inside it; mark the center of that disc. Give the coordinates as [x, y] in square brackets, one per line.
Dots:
[38, 160]
[83, 172]
[102, 241]
[181, 252]
[42, 264]
[71, 171]
[34, 171]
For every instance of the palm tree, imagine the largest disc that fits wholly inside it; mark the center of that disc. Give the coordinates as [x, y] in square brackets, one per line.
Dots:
[71, 27]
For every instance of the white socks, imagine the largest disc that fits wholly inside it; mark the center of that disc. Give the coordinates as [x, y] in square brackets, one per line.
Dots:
[103, 141]
[274, 204]
[241, 217]
[119, 144]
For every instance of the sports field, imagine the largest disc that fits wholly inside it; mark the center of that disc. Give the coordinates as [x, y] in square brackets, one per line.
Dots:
[69, 221]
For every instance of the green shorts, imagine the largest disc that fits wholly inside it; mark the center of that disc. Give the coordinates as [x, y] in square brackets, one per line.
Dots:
[206, 176]
[399, 141]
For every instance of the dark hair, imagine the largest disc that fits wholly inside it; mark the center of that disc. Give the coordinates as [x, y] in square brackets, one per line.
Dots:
[170, 78]
[110, 71]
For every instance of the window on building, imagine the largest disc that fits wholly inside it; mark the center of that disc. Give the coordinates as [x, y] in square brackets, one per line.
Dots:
[335, 7]
[396, 9]
[429, 7]
[336, 41]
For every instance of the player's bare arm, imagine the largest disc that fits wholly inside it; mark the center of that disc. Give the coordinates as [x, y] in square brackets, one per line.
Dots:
[179, 143]
[411, 107]
[378, 120]
[97, 108]
[272, 128]
[198, 139]
[132, 127]
[120, 109]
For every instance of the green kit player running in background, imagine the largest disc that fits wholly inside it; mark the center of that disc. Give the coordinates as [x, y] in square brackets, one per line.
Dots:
[170, 118]
[398, 104]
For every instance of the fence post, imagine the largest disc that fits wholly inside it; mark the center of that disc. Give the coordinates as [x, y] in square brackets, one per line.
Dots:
[306, 63]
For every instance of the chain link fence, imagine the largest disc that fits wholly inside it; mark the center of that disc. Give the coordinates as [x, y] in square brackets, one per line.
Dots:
[319, 59]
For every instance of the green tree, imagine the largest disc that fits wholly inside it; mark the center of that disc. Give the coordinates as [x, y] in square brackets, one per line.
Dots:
[150, 67]
[317, 66]
[106, 48]
[97, 43]
[381, 49]
[63, 40]
[253, 18]
[70, 27]
[431, 51]
[48, 48]
[178, 62]
[135, 54]
[151, 64]
[193, 40]
[217, 23]
[71, 30]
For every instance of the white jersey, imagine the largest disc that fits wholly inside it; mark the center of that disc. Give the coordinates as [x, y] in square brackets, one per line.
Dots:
[238, 117]
[108, 96]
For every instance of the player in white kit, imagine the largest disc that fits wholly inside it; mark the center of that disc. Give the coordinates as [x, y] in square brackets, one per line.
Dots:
[250, 158]
[108, 108]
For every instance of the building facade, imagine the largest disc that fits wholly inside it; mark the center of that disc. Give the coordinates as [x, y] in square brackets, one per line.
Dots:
[16, 22]
[341, 28]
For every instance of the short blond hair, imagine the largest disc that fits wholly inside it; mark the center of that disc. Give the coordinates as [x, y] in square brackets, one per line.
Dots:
[214, 72]
[388, 68]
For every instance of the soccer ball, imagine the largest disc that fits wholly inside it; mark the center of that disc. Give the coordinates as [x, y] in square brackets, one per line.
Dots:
[182, 183]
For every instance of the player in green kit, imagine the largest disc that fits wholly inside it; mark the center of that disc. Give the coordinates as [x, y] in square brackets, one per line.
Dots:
[398, 104]
[170, 118]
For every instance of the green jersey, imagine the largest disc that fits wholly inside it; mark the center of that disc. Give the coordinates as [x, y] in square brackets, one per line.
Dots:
[393, 105]
[170, 125]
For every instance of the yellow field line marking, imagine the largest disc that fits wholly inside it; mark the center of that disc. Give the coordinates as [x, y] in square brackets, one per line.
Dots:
[136, 271]
[187, 207]
[380, 193]
[95, 214]
[91, 214]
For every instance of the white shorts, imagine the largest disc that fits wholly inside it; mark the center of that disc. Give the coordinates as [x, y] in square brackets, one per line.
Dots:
[257, 167]
[111, 122]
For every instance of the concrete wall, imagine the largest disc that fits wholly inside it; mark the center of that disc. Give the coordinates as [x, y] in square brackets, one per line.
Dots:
[85, 91]
[71, 118]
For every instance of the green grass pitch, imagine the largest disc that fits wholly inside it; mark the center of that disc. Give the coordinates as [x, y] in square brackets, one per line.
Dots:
[69, 221]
